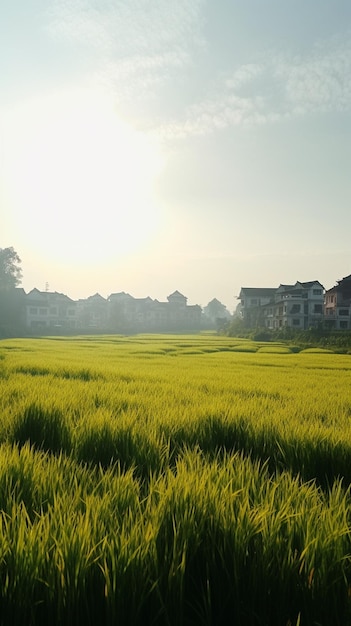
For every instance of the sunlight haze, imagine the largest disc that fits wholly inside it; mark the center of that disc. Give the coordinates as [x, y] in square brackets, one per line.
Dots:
[199, 146]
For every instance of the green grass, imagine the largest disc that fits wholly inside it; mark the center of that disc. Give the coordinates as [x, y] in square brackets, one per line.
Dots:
[172, 480]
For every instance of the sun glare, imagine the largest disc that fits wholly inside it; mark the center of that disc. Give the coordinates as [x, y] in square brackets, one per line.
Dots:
[80, 180]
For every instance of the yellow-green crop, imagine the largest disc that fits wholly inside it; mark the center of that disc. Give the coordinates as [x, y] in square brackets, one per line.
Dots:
[173, 480]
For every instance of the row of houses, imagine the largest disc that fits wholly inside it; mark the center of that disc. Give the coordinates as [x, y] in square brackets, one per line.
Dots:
[302, 306]
[45, 311]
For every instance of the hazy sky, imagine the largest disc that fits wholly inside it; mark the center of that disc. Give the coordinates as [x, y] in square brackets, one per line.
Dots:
[148, 146]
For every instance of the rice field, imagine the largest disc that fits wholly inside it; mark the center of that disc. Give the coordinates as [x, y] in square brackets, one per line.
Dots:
[174, 480]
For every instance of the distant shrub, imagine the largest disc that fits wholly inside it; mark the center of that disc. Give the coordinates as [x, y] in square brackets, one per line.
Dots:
[295, 349]
[263, 334]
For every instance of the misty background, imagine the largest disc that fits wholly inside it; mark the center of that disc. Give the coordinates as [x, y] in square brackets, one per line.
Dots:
[198, 146]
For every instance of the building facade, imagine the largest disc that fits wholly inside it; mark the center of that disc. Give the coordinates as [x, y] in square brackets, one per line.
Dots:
[252, 303]
[145, 314]
[299, 306]
[120, 312]
[45, 310]
[337, 307]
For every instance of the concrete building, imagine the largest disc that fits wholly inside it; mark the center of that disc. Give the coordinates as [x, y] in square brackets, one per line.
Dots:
[297, 306]
[337, 305]
[47, 310]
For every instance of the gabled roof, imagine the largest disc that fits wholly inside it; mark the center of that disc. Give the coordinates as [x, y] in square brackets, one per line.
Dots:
[258, 292]
[55, 295]
[177, 299]
[215, 301]
[285, 287]
[95, 298]
[176, 293]
[309, 284]
[121, 295]
[48, 296]
[18, 292]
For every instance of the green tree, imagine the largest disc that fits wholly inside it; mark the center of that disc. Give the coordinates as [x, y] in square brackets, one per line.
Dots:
[10, 270]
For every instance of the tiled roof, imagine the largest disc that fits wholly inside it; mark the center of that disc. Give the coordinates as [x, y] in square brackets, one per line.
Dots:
[258, 291]
[176, 293]
[309, 283]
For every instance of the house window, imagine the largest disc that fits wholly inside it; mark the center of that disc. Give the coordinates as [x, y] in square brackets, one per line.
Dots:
[296, 322]
[253, 301]
[318, 308]
[296, 308]
[344, 312]
[43, 311]
[33, 310]
[317, 292]
[343, 324]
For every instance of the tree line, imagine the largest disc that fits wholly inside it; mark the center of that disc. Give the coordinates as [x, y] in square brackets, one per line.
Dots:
[10, 269]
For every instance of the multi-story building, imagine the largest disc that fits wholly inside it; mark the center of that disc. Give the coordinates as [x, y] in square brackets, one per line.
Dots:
[298, 306]
[50, 310]
[55, 312]
[252, 303]
[92, 313]
[145, 314]
[337, 306]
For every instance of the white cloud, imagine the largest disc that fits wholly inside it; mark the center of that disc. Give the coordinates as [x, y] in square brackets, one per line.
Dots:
[321, 82]
[135, 40]
[244, 75]
[136, 46]
[277, 88]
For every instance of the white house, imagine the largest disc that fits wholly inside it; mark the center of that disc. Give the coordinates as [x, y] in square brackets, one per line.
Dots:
[49, 310]
[298, 306]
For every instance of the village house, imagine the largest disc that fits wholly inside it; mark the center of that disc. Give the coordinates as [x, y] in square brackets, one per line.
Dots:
[337, 308]
[145, 314]
[302, 305]
[297, 306]
[47, 310]
[92, 313]
[120, 312]
[252, 301]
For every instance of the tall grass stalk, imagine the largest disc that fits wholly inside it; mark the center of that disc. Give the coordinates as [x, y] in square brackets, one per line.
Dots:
[172, 480]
